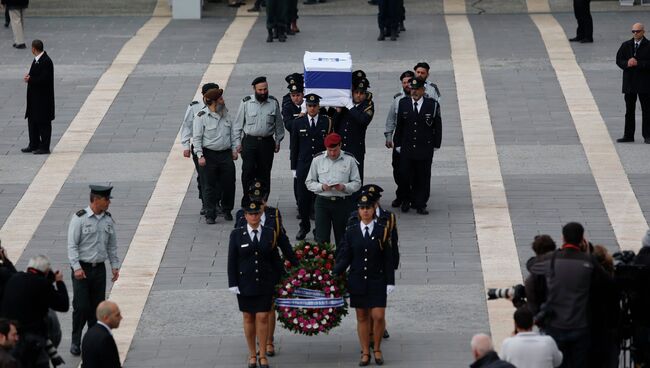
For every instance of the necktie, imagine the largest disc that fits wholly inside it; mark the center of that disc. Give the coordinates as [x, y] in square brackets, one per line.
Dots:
[367, 234]
[312, 122]
[256, 242]
[415, 107]
[636, 47]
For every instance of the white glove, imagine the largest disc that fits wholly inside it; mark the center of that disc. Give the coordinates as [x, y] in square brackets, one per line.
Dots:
[294, 174]
[349, 104]
[398, 149]
[390, 289]
[234, 290]
[303, 107]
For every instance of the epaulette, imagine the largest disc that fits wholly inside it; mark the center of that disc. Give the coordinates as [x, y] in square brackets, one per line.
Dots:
[200, 113]
[81, 213]
[351, 155]
[273, 98]
[397, 95]
[247, 98]
[319, 153]
[109, 214]
[369, 96]
[193, 103]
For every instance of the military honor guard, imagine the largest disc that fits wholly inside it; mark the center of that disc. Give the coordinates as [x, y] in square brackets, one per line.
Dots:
[351, 122]
[431, 90]
[419, 129]
[292, 105]
[270, 217]
[307, 140]
[91, 241]
[216, 148]
[333, 177]
[252, 274]
[391, 122]
[258, 131]
[186, 136]
[365, 249]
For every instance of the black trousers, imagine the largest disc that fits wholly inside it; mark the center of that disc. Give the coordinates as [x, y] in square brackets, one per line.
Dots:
[305, 197]
[276, 13]
[416, 178]
[583, 16]
[292, 11]
[195, 159]
[388, 17]
[332, 213]
[402, 192]
[630, 119]
[257, 160]
[218, 177]
[7, 19]
[88, 293]
[40, 134]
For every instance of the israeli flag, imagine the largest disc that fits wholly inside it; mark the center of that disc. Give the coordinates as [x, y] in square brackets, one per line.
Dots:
[329, 75]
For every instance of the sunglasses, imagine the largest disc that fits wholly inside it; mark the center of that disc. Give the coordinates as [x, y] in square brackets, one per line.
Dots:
[637, 31]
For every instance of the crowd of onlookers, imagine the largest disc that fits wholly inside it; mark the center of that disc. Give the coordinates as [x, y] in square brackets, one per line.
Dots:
[580, 307]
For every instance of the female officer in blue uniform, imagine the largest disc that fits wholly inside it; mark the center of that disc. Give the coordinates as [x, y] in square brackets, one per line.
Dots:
[365, 248]
[252, 260]
[270, 217]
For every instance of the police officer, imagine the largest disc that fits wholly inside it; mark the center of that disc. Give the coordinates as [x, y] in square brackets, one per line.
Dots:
[365, 248]
[292, 109]
[186, 135]
[307, 140]
[292, 79]
[431, 90]
[270, 217]
[391, 122]
[252, 262]
[351, 122]
[276, 19]
[259, 118]
[216, 148]
[419, 129]
[91, 241]
[333, 177]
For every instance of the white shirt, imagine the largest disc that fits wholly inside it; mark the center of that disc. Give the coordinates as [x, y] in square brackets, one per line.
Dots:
[315, 118]
[531, 350]
[38, 56]
[377, 211]
[262, 219]
[370, 226]
[251, 234]
[419, 102]
[105, 326]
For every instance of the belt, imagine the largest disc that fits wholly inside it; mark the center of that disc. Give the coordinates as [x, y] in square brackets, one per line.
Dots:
[257, 137]
[93, 264]
[211, 150]
[334, 198]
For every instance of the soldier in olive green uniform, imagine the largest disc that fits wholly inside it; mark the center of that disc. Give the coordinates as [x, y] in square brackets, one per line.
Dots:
[91, 241]
[334, 178]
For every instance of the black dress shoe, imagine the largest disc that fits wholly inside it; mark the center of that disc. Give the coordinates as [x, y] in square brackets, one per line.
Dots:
[227, 216]
[41, 152]
[575, 39]
[381, 36]
[75, 350]
[20, 46]
[422, 211]
[396, 203]
[587, 40]
[405, 207]
[625, 140]
[26, 150]
[302, 233]
[210, 221]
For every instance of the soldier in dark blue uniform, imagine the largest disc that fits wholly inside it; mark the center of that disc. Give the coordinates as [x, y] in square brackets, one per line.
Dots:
[270, 217]
[252, 274]
[351, 122]
[365, 248]
[385, 218]
[307, 139]
[292, 110]
[419, 130]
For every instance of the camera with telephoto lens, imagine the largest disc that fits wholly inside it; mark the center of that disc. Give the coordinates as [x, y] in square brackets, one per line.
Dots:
[516, 294]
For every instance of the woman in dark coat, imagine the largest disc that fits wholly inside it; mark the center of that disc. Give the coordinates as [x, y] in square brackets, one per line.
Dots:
[252, 258]
[365, 248]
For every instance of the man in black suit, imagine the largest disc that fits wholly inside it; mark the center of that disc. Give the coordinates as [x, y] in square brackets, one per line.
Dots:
[98, 348]
[417, 135]
[40, 101]
[585, 31]
[634, 58]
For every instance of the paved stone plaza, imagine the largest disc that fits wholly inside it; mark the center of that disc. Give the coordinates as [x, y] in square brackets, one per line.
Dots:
[190, 319]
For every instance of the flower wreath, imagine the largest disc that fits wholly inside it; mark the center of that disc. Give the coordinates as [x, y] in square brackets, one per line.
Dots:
[310, 298]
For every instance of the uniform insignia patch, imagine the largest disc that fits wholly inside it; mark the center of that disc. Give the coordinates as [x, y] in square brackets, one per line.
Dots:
[193, 103]
[81, 213]
[201, 113]
[109, 214]
[397, 95]
[246, 98]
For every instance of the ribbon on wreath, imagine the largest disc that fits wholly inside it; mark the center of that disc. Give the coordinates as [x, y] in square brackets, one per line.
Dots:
[307, 298]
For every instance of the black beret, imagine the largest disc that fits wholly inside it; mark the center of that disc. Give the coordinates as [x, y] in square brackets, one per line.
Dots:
[258, 80]
[101, 190]
[421, 64]
[208, 86]
[407, 73]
